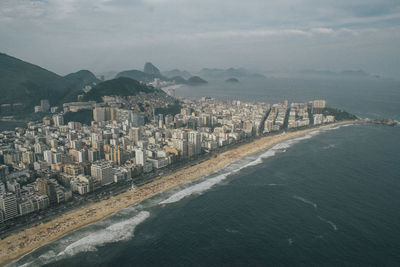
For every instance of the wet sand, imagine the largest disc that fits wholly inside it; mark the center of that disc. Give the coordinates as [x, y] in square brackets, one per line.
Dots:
[19, 244]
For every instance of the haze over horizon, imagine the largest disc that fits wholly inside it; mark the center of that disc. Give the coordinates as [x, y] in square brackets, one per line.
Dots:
[103, 35]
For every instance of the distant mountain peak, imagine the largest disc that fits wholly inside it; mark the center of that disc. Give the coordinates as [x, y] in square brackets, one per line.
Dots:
[82, 78]
[149, 68]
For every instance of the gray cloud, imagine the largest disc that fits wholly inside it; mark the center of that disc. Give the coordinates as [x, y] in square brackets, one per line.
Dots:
[67, 35]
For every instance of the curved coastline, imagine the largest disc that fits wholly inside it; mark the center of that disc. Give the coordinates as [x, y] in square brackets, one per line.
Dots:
[24, 242]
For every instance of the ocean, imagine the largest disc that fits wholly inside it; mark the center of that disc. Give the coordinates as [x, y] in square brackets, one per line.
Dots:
[329, 198]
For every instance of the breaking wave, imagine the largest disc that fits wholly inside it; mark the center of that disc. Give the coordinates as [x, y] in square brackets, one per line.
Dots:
[113, 233]
[329, 146]
[328, 222]
[306, 201]
[274, 184]
[195, 189]
[232, 231]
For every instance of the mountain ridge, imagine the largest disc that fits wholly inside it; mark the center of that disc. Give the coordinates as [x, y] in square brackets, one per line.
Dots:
[27, 83]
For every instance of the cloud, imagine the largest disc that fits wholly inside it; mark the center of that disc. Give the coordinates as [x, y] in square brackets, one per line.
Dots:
[86, 31]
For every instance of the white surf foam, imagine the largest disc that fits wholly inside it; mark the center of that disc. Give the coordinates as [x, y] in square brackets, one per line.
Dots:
[232, 231]
[119, 231]
[329, 146]
[47, 256]
[28, 264]
[195, 189]
[328, 222]
[274, 184]
[113, 233]
[306, 201]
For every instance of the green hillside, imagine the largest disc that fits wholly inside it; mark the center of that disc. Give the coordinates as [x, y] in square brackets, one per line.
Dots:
[22, 82]
[82, 78]
[120, 86]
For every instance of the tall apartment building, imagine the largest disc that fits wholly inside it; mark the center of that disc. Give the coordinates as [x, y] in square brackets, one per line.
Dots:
[47, 187]
[317, 106]
[44, 105]
[58, 120]
[3, 171]
[140, 157]
[103, 172]
[138, 119]
[194, 138]
[48, 156]
[28, 157]
[105, 113]
[8, 204]
[182, 147]
[134, 134]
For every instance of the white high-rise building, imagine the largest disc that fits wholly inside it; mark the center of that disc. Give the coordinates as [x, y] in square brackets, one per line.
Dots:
[58, 120]
[103, 172]
[140, 157]
[182, 147]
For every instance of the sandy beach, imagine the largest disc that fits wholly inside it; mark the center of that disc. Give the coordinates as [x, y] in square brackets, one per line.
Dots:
[17, 245]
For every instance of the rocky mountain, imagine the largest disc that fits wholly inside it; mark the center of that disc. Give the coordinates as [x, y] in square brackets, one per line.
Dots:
[150, 69]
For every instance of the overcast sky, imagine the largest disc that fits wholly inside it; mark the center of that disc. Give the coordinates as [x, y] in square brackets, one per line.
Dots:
[101, 35]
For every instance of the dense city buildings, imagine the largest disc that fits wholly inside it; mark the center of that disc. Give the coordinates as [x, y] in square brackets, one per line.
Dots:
[53, 161]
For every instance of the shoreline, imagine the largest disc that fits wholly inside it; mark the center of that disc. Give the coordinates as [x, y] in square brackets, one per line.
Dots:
[17, 245]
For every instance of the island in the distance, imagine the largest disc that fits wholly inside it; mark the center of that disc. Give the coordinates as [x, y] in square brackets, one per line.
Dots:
[232, 80]
[196, 80]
